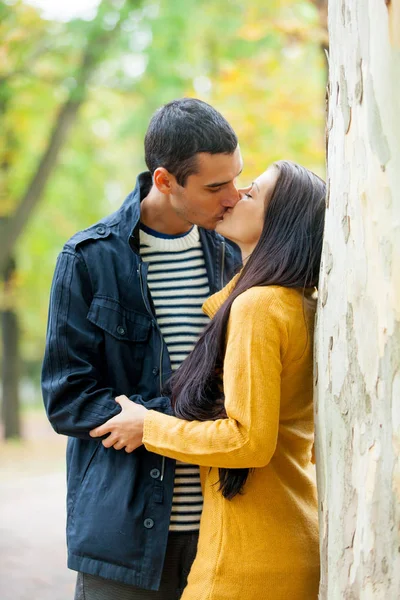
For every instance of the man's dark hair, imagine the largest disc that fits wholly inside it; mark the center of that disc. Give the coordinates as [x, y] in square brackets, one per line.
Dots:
[180, 130]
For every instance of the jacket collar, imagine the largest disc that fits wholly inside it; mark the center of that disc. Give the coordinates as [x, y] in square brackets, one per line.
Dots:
[129, 213]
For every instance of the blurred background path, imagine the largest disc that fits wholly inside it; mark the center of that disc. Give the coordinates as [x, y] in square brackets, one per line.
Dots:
[32, 515]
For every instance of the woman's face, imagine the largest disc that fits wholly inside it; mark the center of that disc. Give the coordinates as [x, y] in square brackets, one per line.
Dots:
[244, 223]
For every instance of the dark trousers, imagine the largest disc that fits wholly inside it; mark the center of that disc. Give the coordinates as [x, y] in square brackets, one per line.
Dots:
[181, 550]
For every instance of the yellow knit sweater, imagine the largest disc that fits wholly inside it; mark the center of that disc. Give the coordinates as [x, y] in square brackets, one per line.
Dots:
[263, 544]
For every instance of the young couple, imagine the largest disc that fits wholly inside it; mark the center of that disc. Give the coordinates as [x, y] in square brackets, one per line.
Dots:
[150, 293]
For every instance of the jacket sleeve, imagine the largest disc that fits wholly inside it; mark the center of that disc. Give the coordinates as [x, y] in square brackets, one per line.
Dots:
[75, 394]
[256, 340]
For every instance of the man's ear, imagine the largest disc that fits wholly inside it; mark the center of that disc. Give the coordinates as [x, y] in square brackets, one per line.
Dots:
[164, 181]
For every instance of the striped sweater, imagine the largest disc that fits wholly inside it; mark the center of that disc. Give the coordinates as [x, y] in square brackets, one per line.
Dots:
[178, 284]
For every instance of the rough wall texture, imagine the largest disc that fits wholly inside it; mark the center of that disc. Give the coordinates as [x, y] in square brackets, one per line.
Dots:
[357, 371]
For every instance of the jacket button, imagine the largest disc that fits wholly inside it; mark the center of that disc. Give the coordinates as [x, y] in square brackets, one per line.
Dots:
[156, 371]
[120, 330]
[155, 473]
[101, 230]
[148, 523]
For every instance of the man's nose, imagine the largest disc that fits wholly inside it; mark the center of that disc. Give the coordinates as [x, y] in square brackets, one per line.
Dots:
[231, 197]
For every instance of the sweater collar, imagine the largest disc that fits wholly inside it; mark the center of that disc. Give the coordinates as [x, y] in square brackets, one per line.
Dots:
[171, 243]
[214, 302]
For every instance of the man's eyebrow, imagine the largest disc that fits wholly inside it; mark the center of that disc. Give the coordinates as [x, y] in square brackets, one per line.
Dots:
[220, 183]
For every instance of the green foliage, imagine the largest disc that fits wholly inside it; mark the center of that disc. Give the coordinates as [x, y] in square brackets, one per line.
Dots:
[258, 62]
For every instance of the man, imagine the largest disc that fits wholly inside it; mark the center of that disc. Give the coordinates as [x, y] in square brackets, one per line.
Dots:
[125, 310]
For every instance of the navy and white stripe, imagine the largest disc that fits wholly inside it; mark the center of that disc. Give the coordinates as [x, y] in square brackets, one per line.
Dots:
[178, 283]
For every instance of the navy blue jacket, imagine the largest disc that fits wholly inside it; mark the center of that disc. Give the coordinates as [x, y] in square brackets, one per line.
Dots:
[103, 340]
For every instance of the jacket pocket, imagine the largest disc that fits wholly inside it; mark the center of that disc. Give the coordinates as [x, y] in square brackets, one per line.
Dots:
[121, 323]
[126, 336]
[91, 458]
[91, 453]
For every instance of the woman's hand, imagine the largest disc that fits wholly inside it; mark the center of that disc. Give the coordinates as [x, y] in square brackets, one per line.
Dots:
[125, 429]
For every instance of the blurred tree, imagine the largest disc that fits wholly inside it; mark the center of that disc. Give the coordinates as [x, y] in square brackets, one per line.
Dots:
[99, 36]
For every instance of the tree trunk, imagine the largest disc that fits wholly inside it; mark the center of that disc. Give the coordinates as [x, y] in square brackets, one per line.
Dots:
[357, 340]
[10, 366]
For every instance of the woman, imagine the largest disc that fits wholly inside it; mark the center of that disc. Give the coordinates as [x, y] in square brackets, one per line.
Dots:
[243, 401]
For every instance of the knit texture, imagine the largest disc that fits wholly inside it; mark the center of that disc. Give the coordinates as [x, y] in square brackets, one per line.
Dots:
[264, 542]
[178, 283]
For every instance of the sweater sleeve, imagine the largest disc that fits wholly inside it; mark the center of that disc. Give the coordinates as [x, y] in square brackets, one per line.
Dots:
[256, 341]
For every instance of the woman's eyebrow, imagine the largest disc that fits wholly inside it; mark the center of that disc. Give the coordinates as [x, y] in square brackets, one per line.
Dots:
[256, 185]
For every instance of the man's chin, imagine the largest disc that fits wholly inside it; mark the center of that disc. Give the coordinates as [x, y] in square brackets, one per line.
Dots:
[212, 225]
[219, 227]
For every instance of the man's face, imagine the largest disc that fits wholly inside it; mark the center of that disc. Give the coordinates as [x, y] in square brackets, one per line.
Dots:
[209, 193]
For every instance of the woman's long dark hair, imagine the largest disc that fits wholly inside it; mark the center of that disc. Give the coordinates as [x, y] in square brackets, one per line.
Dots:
[288, 254]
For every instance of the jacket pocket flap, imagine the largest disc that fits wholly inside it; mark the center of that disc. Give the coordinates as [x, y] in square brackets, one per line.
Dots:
[121, 323]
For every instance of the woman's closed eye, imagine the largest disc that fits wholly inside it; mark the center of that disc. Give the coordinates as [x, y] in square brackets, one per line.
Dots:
[249, 194]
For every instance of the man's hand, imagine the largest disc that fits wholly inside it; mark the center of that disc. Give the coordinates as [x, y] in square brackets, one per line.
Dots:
[125, 429]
